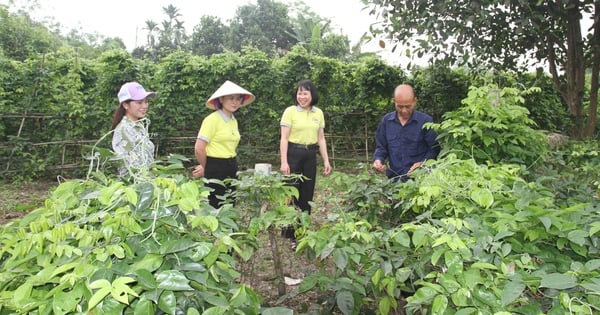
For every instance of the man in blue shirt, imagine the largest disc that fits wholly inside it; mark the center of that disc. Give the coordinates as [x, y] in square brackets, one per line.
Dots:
[401, 139]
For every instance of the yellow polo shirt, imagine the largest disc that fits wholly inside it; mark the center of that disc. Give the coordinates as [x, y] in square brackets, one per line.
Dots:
[221, 135]
[304, 125]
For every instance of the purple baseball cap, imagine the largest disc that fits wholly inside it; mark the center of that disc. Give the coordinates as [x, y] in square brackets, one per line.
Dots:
[133, 91]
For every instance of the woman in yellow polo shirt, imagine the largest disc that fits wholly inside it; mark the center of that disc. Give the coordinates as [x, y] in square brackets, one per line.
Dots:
[218, 138]
[302, 136]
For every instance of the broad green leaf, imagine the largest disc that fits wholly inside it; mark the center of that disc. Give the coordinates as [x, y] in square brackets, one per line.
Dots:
[547, 222]
[482, 265]
[150, 262]
[345, 301]
[454, 262]
[308, 283]
[239, 297]
[402, 274]
[98, 284]
[592, 285]
[215, 310]
[23, 292]
[145, 196]
[594, 228]
[423, 295]
[592, 265]
[176, 245]
[167, 302]
[449, 283]
[511, 292]
[121, 291]
[192, 311]
[558, 281]
[210, 222]
[482, 197]
[385, 304]
[403, 238]
[131, 195]
[439, 305]
[173, 280]
[340, 258]
[145, 279]
[442, 239]
[376, 276]
[66, 302]
[461, 297]
[144, 307]
[578, 237]
[419, 237]
[466, 311]
[98, 296]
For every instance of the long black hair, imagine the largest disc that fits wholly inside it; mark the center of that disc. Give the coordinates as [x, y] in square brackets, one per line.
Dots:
[118, 115]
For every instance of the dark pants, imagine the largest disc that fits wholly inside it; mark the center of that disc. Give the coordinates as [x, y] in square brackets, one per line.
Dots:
[304, 162]
[221, 169]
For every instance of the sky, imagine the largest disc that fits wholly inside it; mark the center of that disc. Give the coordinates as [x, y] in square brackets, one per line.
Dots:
[126, 18]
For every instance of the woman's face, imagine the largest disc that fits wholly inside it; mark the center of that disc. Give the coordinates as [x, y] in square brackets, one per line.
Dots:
[304, 97]
[135, 110]
[231, 103]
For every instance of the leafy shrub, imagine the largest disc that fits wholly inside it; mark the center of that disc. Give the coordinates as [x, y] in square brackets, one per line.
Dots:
[477, 238]
[103, 246]
[493, 127]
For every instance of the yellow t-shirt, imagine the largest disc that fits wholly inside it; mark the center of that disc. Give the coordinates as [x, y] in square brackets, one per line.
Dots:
[221, 135]
[304, 125]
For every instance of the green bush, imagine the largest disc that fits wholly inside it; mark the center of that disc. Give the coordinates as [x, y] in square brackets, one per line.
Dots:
[493, 127]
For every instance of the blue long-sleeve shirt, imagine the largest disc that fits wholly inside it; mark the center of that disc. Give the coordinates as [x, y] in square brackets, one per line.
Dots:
[404, 145]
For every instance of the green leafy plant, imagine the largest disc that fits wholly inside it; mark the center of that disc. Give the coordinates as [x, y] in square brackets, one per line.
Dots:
[99, 245]
[492, 126]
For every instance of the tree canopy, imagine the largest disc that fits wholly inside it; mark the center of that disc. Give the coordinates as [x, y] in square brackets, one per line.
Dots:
[506, 35]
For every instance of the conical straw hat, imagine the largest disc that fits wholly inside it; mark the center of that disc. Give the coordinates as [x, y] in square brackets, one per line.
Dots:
[229, 88]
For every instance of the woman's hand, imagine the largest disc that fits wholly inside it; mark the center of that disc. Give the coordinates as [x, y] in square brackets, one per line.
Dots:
[285, 169]
[326, 168]
[198, 171]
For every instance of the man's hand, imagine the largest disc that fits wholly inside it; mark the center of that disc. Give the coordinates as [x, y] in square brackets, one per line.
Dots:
[414, 167]
[378, 166]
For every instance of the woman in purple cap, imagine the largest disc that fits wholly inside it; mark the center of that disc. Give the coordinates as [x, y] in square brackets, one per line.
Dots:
[131, 141]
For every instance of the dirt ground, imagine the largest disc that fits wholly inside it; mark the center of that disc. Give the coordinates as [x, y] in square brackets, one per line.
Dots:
[16, 199]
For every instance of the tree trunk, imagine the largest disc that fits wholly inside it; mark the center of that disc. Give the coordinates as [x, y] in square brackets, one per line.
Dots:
[575, 69]
[590, 127]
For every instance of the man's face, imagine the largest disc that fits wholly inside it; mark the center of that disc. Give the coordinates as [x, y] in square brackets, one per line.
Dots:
[405, 104]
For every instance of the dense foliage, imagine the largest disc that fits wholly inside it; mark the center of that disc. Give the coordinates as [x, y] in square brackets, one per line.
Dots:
[54, 102]
[466, 236]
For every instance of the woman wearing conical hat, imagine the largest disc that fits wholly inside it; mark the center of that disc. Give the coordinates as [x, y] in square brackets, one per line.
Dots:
[218, 139]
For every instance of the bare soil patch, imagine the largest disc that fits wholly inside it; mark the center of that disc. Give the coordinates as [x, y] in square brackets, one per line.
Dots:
[18, 198]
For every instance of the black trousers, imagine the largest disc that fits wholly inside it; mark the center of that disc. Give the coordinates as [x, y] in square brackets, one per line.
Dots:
[302, 161]
[217, 168]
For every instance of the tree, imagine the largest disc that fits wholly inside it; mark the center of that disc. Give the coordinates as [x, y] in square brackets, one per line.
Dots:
[209, 36]
[20, 36]
[506, 35]
[172, 34]
[151, 27]
[333, 46]
[265, 26]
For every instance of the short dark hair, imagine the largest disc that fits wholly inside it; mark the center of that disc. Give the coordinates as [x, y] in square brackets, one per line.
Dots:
[309, 86]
